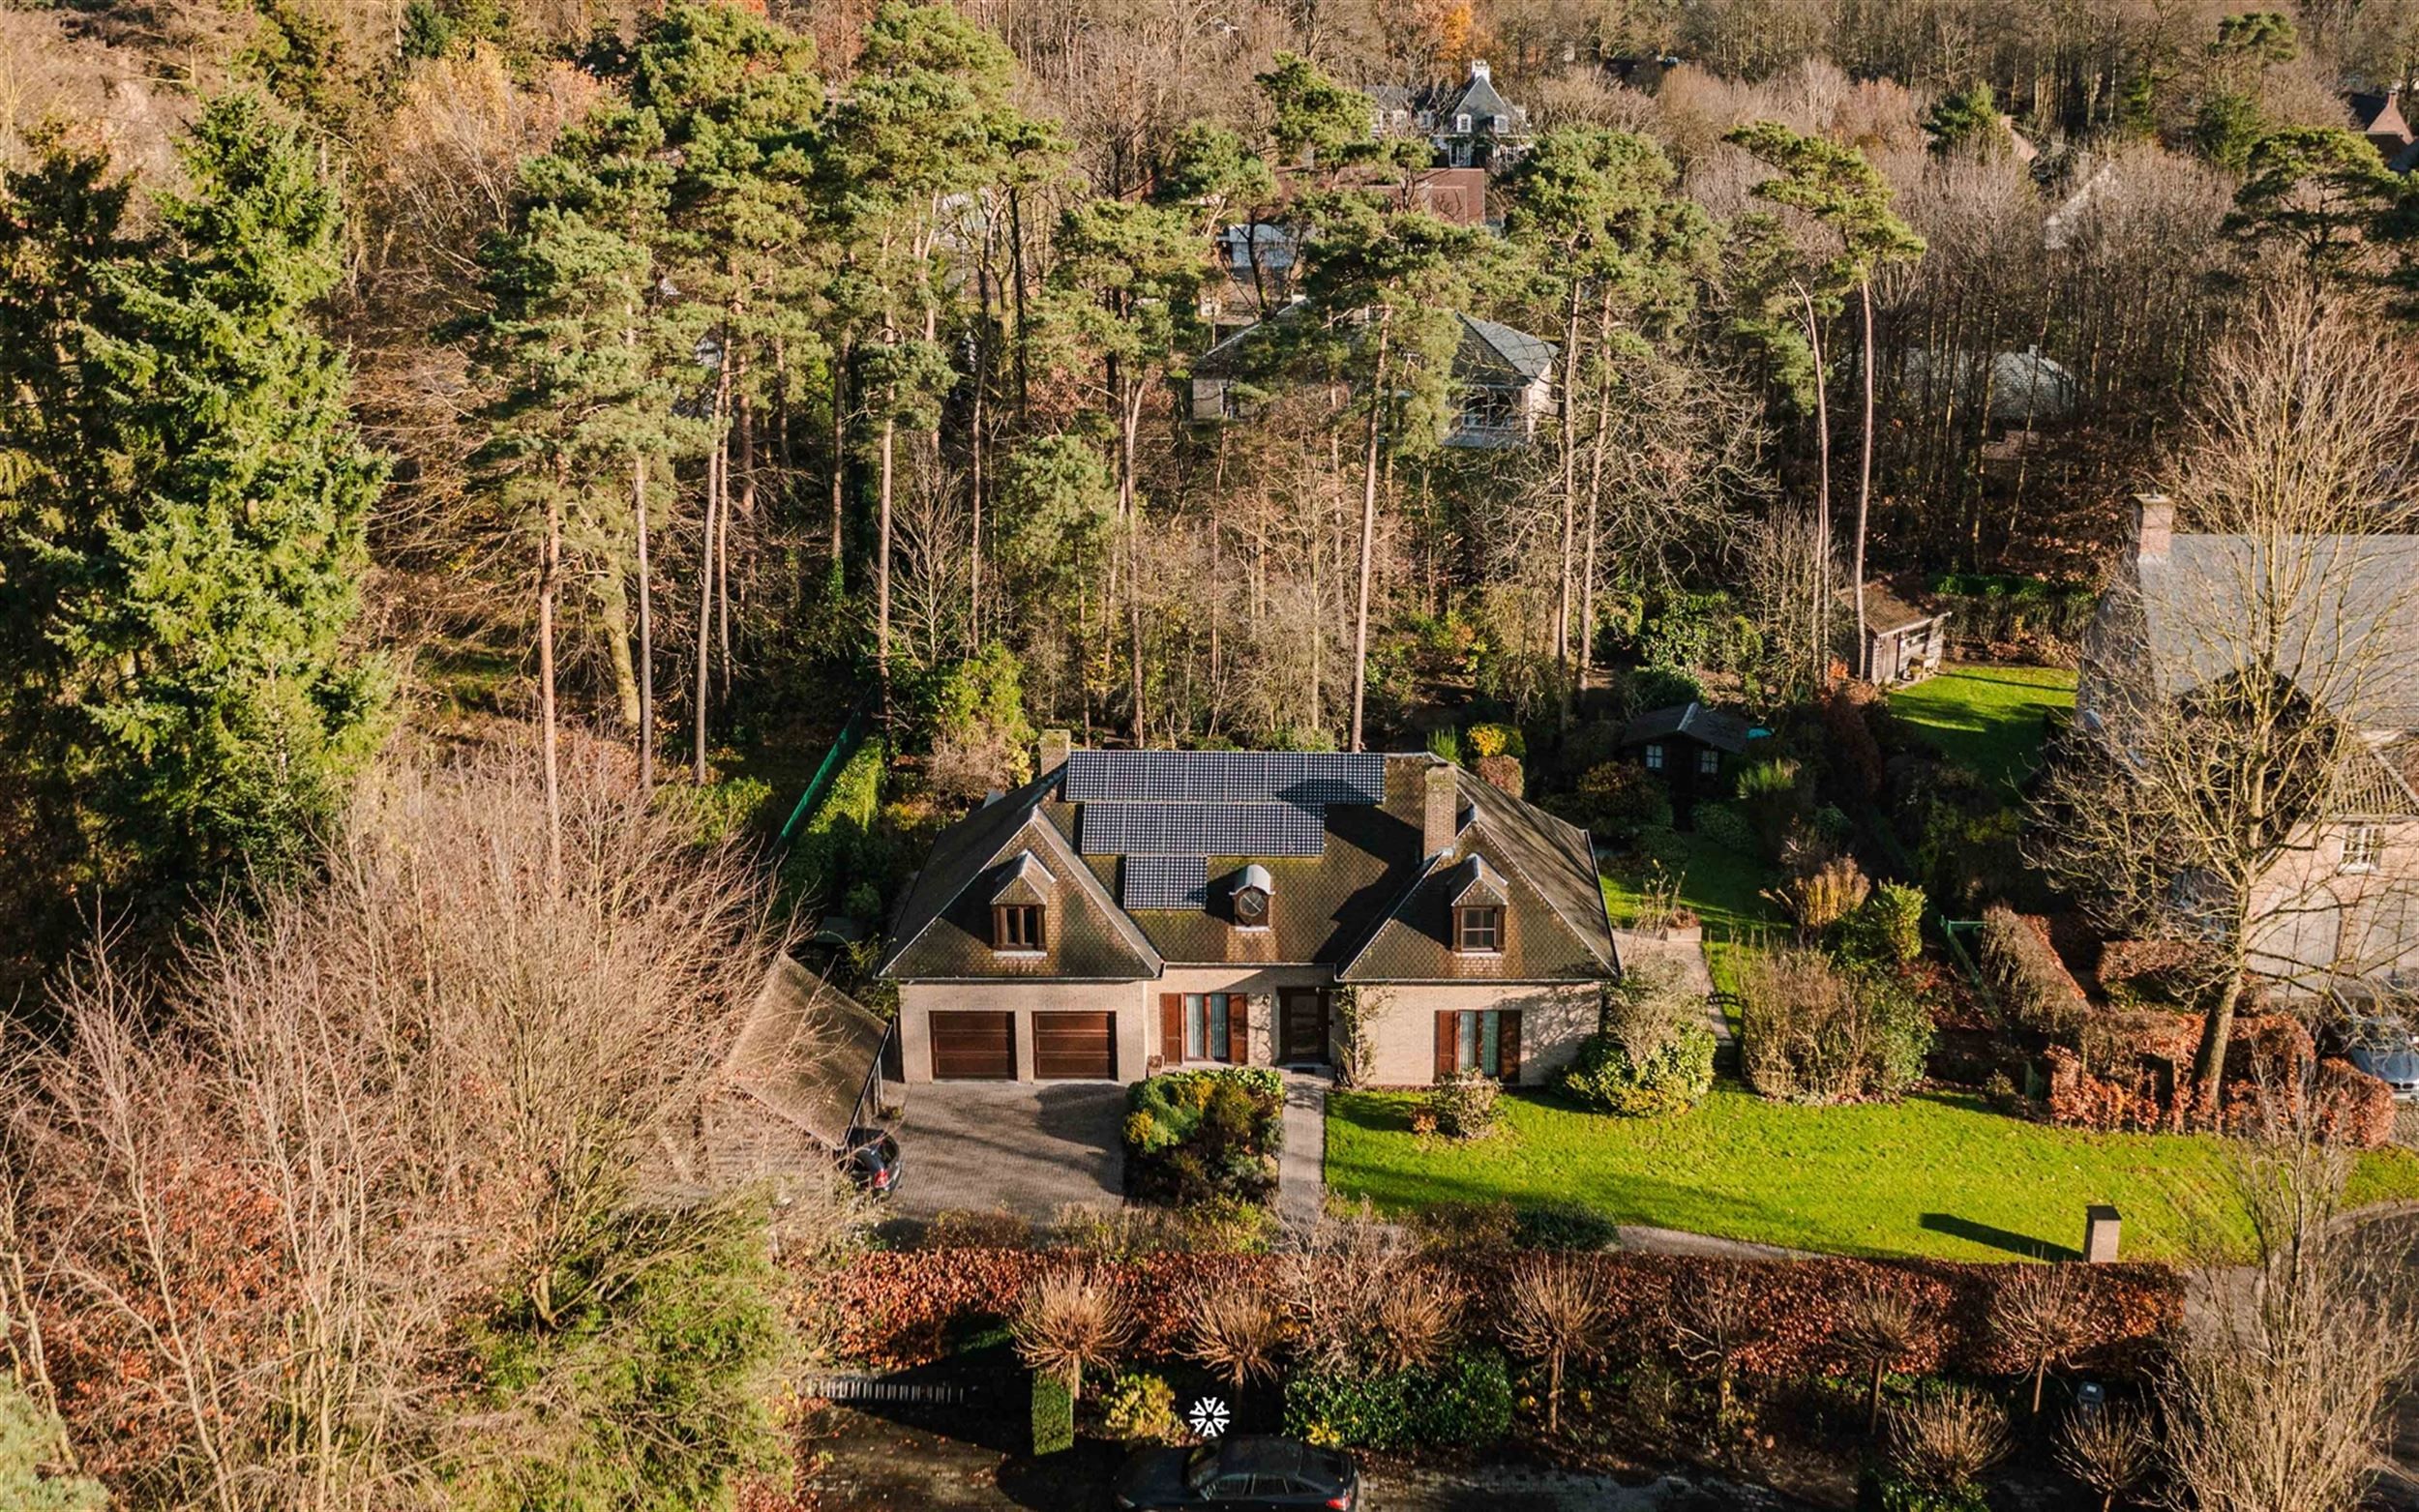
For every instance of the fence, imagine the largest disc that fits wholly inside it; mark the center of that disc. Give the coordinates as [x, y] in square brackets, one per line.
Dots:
[880, 1389]
[818, 787]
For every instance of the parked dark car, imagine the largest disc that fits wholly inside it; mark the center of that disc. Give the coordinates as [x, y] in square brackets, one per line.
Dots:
[872, 1160]
[1244, 1472]
[2383, 1048]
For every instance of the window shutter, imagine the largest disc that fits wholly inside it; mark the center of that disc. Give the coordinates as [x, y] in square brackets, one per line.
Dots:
[1239, 1028]
[1509, 1042]
[1172, 1029]
[1448, 1048]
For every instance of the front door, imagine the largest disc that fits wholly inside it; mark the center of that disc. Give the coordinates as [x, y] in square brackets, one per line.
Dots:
[1303, 1013]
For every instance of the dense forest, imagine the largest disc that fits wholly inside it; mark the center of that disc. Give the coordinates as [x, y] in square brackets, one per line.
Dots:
[426, 425]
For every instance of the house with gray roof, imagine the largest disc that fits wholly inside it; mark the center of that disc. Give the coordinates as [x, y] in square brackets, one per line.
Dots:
[1503, 380]
[2335, 619]
[1132, 912]
[1469, 124]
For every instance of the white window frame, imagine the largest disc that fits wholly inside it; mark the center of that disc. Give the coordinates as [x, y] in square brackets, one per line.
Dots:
[2363, 844]
[1653, 755]
[1461, 123]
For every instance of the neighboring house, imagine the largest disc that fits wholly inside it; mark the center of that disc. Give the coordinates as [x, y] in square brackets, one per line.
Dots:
[1260, 258]
[1470, 124]
[2379, 116]
[1132, 912]
[1696, 750]
[2342, 904]
[2017, 391]
[1905, 643]
[1503, 381]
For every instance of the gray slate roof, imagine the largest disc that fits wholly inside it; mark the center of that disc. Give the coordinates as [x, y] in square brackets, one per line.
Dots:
[1494, 353]
[1370, 905]
[2346, 613]
[1720, 728]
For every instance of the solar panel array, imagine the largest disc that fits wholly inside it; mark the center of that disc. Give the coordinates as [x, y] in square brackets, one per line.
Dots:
[1224, 777]
[1164, 883]
[1200, 829]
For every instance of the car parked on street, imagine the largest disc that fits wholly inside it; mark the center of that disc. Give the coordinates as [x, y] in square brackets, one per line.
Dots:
[2384, 1047]
[1242, 1472]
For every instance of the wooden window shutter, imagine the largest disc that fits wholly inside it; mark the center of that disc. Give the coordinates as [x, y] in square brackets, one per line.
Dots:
[1239, 1028]
[1448, 1043]
[1172, 1029]
[1508, 1042]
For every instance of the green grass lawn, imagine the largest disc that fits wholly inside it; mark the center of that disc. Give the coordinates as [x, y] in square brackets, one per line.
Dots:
[1935, 1175]
[1725, 889]
[1987, 719]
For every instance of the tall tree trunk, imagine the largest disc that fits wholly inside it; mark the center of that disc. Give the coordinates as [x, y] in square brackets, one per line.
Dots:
[701, 694]
[1864, 483]
[1571, 494]
[1596, 445]
[722, 538]
[647, 629]
[2209, 1065]
[549, 575]
[1368, 537]
[1822, 495]
[1129, 506]
[881, 569]
[839, 455]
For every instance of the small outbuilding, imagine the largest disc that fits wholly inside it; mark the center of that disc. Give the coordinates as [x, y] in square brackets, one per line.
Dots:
[1694, 749]
[1903, 643]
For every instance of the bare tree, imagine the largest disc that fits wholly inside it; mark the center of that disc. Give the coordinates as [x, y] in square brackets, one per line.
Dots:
[1236, 1335]
[1877, 1332]
[1946, 1440]
[1713, 1321]
[2280, 1396]
[2112, 1451]
[1554, 1312]
[1069, 1322]
[2039, 1315]
[2237, 684]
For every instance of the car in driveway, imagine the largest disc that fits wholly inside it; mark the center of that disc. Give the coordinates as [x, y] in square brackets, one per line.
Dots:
[2384, 1047]
[872, 1161]
[1242, 1472]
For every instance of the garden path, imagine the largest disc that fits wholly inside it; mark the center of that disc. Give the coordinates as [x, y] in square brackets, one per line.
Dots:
[1688, 955]
[1301, 1187]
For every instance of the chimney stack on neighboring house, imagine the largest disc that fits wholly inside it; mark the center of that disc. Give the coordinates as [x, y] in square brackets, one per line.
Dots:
[1054, 745]
[2154, 526]
[1477, 69]
[1441, 814]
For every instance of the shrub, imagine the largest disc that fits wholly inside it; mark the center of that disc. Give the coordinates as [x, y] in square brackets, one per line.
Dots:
[2351, 1107]
[1464, 1105]
[2034, 990]
[1502, 773]
[987, 1229]
[1053, 1415]
[1846, 709]
[1140, 1406]
[1564, 1226]
[1819, 898]
[1722, 825]
[1884, 1490]
[1659, 688]
[1772, 796]
[715, 812]
[1621, 800]
[1673, 1080]
[1234, 1334]
[1413, 1319]
[1475, 1228]
[1446, 743]
[1813, 1031]
[1942, 1442]
[1204, 1136]
[1466, 1401]
[1887, 929]
[1490, 740]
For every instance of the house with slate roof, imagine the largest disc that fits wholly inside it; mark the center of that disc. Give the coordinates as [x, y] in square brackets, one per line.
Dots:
[1470, 125]
[1132, 912]
[2195, 610]
[1503, 380]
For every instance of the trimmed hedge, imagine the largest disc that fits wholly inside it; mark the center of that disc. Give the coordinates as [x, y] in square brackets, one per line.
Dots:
[2034, 986]
[2136, 1072]
[1053, 1416]
[896, 1309]
[1466, 1401]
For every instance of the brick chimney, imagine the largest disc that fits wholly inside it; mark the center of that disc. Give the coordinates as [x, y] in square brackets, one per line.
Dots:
[1054, 745]
[1440, 813]
[2154, 526]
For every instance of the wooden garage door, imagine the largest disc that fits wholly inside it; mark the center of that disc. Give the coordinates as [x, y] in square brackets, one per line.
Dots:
[970, 1046]
[1075, 1045]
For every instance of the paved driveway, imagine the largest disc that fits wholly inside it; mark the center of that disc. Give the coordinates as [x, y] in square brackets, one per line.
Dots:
[1030, 1147]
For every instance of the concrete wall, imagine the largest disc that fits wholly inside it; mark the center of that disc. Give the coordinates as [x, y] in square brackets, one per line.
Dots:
[1554, 1019]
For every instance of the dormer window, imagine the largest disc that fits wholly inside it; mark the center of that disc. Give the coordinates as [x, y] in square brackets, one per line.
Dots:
[1017, 927]
[1461, 123]
[1252, 887]
[1479, 930]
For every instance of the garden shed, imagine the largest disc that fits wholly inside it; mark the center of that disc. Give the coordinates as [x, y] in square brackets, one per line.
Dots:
[1903, 643]
[1694, 749]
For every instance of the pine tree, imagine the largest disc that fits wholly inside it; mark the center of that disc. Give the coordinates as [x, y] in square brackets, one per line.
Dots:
[33, 1471]
[187, 540]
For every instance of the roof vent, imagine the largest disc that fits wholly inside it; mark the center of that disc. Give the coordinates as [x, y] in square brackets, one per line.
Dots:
[1252, 887]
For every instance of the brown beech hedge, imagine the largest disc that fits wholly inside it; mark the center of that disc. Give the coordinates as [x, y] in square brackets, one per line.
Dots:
[894, 1309]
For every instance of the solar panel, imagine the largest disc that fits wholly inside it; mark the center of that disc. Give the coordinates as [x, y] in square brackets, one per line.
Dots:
[1200, 829]
[1164, 883]
[1224, 777]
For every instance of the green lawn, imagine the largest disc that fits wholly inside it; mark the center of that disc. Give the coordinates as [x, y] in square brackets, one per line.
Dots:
[1987, 719]
[1725, 889]
[1935, 1175]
